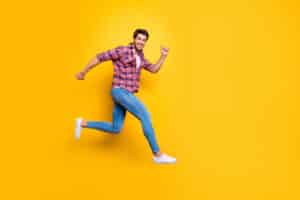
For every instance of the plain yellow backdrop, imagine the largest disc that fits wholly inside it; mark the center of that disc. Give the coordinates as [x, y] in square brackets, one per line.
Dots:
[225, 103]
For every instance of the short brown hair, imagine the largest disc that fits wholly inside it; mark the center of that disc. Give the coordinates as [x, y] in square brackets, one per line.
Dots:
[140, 31]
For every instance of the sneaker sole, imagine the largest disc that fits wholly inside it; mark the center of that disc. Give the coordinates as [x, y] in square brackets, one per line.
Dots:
[77, 128]
[165, 162]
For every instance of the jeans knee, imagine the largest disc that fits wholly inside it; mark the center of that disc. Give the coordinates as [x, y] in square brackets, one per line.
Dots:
[146, 123]
[149, 116]
[144, 119]
[146, 116]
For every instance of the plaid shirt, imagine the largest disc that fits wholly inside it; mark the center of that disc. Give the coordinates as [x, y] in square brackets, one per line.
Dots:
[126, 74]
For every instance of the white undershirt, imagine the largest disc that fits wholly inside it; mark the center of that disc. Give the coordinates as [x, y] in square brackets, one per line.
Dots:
[138, 61]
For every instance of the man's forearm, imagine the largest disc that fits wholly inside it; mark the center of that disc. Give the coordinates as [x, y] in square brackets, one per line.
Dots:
[90, 65]
[158, 64]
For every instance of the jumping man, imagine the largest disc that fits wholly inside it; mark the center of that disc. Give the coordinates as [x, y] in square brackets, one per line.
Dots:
[128, 61]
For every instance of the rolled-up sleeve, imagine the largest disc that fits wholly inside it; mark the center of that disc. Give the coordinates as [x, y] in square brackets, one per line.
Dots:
[111, 54]
[147, 65]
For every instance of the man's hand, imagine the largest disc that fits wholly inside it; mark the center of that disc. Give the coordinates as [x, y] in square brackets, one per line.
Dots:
[156, 67]
[80, 75]
[164, 51]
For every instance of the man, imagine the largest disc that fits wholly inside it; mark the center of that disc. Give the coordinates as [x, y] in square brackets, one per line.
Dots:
[128, 62]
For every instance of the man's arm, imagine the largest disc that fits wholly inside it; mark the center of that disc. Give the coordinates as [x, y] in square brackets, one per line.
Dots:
[154, 68]
[99, 58]
[95, 61]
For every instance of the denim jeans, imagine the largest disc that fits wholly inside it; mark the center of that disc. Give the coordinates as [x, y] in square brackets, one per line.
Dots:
[127, 101]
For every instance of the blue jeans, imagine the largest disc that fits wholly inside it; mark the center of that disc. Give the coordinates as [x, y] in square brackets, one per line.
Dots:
[123, 101]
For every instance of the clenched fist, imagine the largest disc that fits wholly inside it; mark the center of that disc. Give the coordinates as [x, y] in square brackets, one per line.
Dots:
[80, 75]
[164, 51]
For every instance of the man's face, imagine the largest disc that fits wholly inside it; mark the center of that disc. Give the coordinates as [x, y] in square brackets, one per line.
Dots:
[140, 41]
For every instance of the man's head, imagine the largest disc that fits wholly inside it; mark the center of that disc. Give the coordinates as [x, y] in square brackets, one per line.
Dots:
[140, 37]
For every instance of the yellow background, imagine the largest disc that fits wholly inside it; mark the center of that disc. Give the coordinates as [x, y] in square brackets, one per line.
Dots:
[225, 103]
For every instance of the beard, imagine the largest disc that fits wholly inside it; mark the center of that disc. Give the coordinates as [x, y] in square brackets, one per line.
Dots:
[138, 47]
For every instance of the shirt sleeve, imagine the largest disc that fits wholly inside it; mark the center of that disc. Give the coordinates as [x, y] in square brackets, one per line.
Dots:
[147, 65]
[111, 54]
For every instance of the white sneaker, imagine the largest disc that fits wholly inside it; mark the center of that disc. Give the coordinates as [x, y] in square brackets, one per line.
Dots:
[164, 158]
[78, 127]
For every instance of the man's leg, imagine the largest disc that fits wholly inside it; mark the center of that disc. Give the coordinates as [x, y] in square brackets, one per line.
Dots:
[136, 107]
[117, 123]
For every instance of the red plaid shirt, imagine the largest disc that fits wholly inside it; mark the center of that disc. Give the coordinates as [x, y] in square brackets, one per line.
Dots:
[126, 74]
